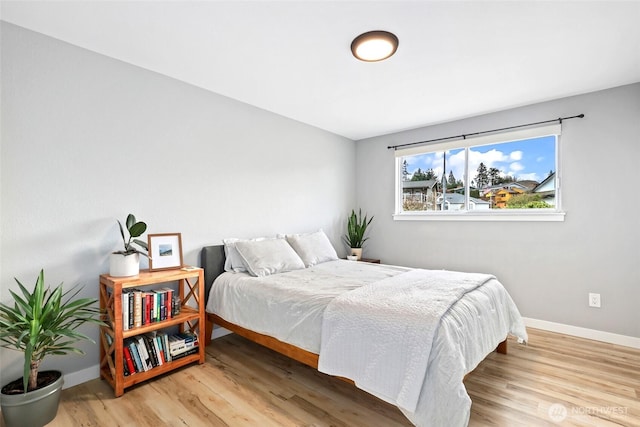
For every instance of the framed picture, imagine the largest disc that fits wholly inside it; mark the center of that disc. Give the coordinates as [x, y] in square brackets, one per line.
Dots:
[165, 251]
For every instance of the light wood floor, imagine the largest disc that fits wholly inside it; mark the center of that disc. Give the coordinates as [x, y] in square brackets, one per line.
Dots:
[582, 382]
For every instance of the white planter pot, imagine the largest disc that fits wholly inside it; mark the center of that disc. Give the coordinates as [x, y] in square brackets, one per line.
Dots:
[124, 265]
[357, 252]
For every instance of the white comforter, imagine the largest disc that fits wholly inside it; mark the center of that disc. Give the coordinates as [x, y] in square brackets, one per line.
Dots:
[380, 335]
[290, 307]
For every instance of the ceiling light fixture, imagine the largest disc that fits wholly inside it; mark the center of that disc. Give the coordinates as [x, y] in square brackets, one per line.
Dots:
[374, 46]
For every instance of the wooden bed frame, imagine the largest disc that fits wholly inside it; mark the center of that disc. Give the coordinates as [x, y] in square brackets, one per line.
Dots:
[212, 260]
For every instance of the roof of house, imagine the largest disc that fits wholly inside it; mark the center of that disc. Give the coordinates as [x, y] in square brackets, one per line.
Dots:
[544, 181]
[419, 184]
[528, 184]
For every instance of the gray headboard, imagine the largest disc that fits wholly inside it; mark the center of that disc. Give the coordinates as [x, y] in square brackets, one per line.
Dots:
[212, 260]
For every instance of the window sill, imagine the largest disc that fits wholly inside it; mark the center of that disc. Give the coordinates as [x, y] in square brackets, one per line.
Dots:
[554, 216]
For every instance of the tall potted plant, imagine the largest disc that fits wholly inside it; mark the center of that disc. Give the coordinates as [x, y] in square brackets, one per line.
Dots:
[41, 322]
[126, 262]
[356, 229]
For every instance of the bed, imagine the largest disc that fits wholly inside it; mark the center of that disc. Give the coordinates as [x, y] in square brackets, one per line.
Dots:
[301, 314]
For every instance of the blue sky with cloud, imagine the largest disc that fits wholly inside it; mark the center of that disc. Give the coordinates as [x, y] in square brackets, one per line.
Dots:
[529, 159]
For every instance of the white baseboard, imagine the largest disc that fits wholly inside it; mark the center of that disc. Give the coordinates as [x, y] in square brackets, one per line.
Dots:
[578, 331]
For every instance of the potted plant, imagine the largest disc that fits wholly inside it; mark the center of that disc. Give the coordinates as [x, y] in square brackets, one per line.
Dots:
[356, 229]
[127, 262]
[40, 323]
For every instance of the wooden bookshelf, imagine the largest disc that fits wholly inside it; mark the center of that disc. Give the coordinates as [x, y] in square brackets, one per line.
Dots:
[191, 318]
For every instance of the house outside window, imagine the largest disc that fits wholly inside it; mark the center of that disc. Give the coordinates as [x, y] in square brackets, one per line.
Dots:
[508, 176]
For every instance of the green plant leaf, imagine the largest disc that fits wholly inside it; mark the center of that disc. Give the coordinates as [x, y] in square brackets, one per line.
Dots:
[124, 239]
[356, 229]
[20, 305]
[137, 229]
[44, 322]
[142, 244]
[131, 219]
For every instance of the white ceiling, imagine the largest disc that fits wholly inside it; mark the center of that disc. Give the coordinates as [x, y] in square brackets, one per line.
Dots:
[456, 59]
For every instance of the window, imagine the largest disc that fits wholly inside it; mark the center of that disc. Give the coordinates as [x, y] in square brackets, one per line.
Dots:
[509, 176]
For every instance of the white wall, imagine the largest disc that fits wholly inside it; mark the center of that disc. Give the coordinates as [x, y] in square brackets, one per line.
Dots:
[87, 139]
[549, 268]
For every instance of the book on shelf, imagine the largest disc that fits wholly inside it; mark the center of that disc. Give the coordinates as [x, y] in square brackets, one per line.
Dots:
[161, 348]
[176, 304]
[130, 306]
[170, 303]
[157, 342]
[165, 345]
[125, 311]
[148, 313]
[141, 308]
[137, 308]
[144, 354]
[128, 309]
[162, 296]
[153, 349]
[155, 310]
[125, 369]
[189, 352]
[182, 342]
[132, 345]
[154, 340]
[128, 362]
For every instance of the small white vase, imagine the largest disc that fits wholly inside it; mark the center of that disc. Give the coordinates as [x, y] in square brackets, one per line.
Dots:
[357, 252]
[124, 265]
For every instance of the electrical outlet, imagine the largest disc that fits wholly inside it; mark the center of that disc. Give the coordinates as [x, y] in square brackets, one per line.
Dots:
[594, 300]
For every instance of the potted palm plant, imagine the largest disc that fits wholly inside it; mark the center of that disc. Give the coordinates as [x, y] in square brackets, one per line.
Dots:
[356, 229]
[40, 323]
[126, 262]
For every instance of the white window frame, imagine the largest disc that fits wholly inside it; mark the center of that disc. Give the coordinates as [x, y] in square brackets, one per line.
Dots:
[556, 214]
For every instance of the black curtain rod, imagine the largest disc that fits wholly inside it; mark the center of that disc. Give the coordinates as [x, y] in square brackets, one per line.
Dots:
[465, 135]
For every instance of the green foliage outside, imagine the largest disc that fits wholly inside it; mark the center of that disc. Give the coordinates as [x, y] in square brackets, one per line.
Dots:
[527, 201]
[420, 175]
[491, 176]
[414, 205]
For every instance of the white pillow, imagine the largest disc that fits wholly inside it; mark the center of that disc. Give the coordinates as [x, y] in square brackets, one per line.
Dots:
[313, 248]
[271, 256]
[233, 260]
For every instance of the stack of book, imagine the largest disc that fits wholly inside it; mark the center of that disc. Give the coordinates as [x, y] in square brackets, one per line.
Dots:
[183, 344]
[141, 308]
[145, 352]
